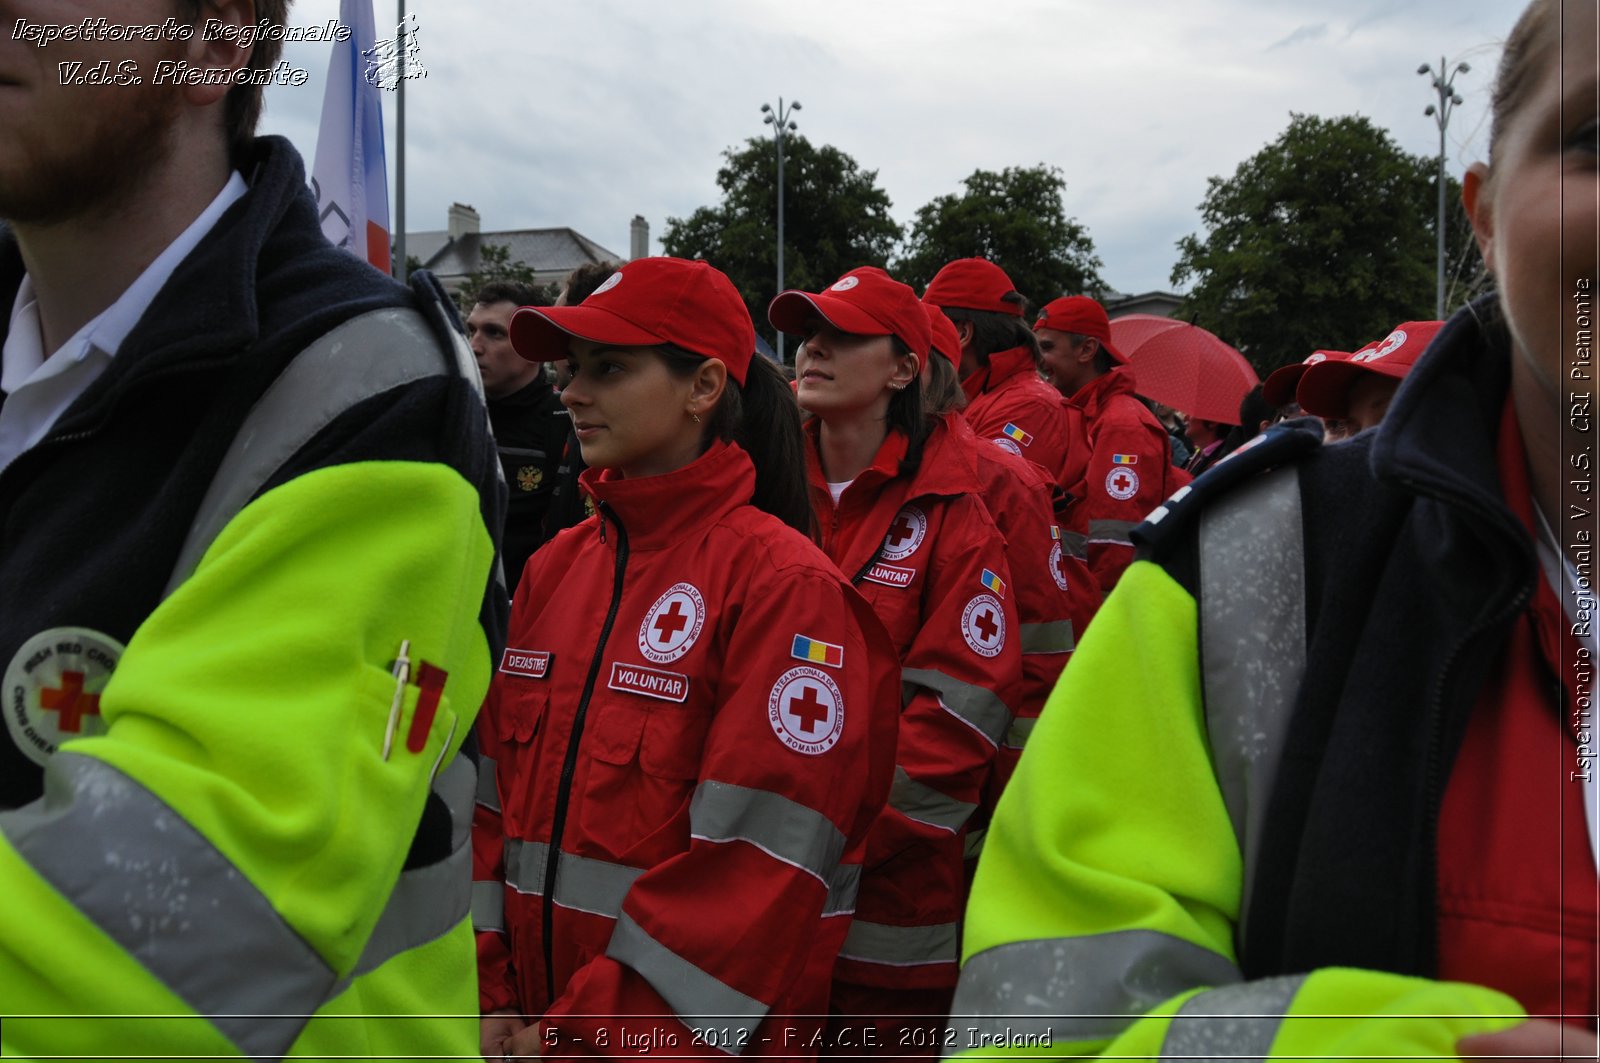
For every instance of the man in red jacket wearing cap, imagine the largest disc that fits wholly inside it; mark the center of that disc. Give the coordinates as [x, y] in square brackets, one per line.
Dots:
[1122, 461]
[1006, 400]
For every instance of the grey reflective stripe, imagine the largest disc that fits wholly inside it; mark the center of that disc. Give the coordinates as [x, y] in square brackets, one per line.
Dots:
[901, 946]
[1020, 731]
[1056, 636]
[785, 829]
[489, 906]
[582, 883]
[428, 902]
[974, 706]
[973, 847]
[1236, 1023]
[701, 1001]
[488, 784]
[842, 889]
[926, 805]
[1083, 988]
[1252, 646]
[1112, 531]
[158, 888]
[1075, 543]
[361, 358]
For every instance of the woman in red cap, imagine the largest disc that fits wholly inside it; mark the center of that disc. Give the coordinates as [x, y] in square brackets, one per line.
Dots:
[692, 726]
[901, 515]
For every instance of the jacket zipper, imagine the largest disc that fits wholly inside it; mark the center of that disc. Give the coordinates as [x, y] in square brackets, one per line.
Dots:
[570, 763]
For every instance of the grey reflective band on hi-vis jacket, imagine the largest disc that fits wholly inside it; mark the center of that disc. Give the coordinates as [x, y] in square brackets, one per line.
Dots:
[322, 382]
[1252, 646]
[1083, 988]
[101, 838]
[1237, 1022]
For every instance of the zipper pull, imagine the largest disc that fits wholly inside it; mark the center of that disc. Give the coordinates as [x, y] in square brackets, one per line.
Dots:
[602, 527]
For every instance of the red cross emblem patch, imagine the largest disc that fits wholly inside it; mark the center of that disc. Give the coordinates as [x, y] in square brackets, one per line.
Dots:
[806, 710]
[1058, 566]
[983, 625]
[905, 534]
[1122, 483]
[53, 686]
[673, 624]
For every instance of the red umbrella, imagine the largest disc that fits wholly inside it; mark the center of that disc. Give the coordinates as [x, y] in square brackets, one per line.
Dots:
[1184, 366]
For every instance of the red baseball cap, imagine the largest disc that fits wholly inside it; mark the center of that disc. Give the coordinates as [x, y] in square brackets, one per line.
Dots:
[865, 302]
[1278, 389]
[649, 301]
[1325, 387]
[974, 284]
[943, 337]
[1081, 316]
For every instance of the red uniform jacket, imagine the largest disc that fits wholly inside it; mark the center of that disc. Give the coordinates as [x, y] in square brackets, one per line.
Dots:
[1516, 873]
[925, 553]
[1056, 595]
[1127, 471]
[1009, 404]
[698, 714]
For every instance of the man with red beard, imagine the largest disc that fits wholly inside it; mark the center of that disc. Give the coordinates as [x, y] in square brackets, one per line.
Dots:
[247, 488]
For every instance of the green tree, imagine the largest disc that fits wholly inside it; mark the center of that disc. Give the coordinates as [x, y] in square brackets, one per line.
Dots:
[835, 218]
[1325, 238]
[494, 264]
[1016, 218]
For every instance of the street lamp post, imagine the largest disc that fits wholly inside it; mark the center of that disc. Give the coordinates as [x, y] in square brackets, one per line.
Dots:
[1448, 100]
[781, 124]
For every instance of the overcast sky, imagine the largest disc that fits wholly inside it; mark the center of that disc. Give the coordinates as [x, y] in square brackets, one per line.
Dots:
[586, 112]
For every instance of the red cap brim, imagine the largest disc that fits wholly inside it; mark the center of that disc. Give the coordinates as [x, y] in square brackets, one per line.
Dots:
[789, 311]
[1279, 387]
[540, 333]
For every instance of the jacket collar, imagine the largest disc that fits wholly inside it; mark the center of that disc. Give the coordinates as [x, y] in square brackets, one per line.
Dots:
[1093, 396]
[1003, 365]
[947, 466]
[660, 511]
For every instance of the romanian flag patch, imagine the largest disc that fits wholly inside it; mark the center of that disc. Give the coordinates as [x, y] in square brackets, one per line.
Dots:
[1055, 532]
[1013, 432]
[994, 583]
[1124, 459]
[809, 649]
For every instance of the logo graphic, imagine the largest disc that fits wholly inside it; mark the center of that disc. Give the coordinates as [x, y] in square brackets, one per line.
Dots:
[983, 625]
[806, 710]
[910, 527]
[1058, 566]
[1005, 444]
[844, 284]
[529, 477]
[53, 687]
[1122, 483]
[672, 624]
[1393, 342]
[609, 283]
[386, 58]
